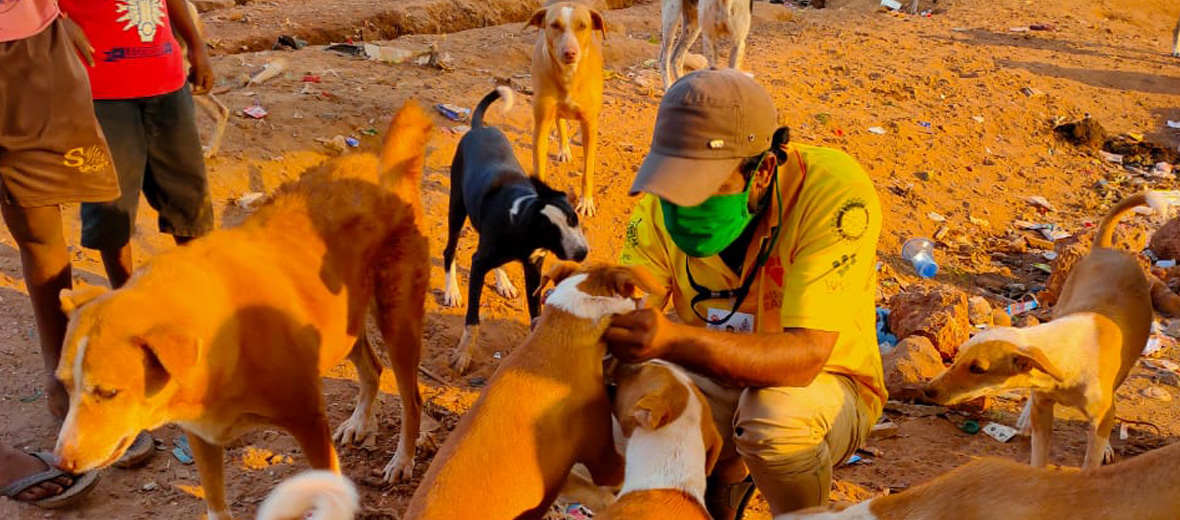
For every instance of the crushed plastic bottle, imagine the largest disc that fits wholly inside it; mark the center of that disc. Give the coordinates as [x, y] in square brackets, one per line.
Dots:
[919, 252]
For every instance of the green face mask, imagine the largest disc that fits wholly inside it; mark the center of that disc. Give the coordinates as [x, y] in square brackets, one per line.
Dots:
[709, 228]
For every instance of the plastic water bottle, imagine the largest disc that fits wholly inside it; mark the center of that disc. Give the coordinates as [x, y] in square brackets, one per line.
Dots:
[919, 252]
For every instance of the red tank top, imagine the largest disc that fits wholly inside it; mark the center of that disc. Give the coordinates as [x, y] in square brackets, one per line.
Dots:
[135, 53]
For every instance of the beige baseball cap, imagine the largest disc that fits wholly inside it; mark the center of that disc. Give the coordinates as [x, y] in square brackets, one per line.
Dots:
[708, 123]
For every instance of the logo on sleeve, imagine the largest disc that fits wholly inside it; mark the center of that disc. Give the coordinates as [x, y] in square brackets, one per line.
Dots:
[851, 220]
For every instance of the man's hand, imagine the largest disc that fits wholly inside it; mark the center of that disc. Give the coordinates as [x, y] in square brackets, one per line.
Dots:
[639, 336]
[201, 75]
[78, 38]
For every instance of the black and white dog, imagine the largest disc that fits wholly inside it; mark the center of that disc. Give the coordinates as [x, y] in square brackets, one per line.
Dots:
[515, 216]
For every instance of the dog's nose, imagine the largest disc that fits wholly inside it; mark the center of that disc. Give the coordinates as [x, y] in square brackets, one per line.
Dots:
[580, 254]
[570, 55]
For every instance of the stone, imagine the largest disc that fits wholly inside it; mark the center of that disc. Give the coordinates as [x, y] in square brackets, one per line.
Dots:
[908, 367]
[938, 313]
[693, 61]
[979, 311]
[1165, 243]
[1001, 318]
[1026, 320]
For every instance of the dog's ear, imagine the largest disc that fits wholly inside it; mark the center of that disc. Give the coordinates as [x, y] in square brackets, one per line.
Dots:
[169, 354]
[713, 442]
[71, 299]
[560, 271]
[537, 19]
[1027, 358]
[627, 281]
[544, 191]
[599, 22]
[651, 411]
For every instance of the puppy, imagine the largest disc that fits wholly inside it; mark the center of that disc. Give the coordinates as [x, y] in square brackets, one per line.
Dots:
[567, 84]
[328, 495]
[1142, 488]
[235, 329]
[208, 102]
[514, 215]
[721, 18]
[1100, 325]
[544, 409]
[672, 444]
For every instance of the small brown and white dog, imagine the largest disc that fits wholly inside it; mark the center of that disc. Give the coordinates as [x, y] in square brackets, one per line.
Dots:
[326, 495]
[1141, 488]
[1100, 325]
[567, 85]
[544, 409]
[680, 28]
[672, 444]
[235, 329]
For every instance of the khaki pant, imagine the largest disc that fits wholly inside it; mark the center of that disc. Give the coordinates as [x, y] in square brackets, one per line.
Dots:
[789, 437]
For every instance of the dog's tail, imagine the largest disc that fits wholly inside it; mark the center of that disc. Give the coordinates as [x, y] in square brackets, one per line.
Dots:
[1106, 228]
[332, 496]
[404, 151]
[500, 92]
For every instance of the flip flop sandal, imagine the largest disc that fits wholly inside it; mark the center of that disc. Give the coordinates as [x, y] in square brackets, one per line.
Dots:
[82, 484]
[138, 454]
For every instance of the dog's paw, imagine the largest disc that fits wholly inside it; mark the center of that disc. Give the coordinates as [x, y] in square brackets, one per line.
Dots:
[1108, 454]
[399, 469]
[504, 285]
[586, 207]
[565, 155]
[461, 356]
[452, 297]
[1176, 54]
[357, 429]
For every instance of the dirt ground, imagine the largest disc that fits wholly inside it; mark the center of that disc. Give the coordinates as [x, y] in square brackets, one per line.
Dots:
[966, 103]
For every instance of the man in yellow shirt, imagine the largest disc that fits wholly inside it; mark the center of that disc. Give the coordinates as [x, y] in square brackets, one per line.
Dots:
[768, 252]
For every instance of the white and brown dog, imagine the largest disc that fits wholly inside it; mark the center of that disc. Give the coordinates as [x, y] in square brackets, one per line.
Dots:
[567, 85]
[672, 444]
[1100, 326]
[680, 28]
[1142, 488]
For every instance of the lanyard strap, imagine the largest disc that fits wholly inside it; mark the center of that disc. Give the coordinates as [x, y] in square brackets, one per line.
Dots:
[739, 295]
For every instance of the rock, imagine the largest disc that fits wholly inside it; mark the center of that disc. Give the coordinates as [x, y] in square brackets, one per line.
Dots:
[694, 61]
[1026, 320]
[151, 486]
[1001, 318]
[1086, 133]
[938, 313]
[1157, 393]
[1130, 236]
[204, 6]
[1165, 243]
[979, 311]
[909, 366]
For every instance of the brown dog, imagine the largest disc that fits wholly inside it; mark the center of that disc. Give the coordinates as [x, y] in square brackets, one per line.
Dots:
[544, 409]
[567, 84]
[234, 330]
[1142, 488]
[1100, 325]
[672, 444]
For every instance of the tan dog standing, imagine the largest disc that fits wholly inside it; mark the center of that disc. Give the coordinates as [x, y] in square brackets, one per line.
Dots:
[544, 409]
[567, 84]
[672, 444]
[1100, 326]
[1142, 488]
[235, 329]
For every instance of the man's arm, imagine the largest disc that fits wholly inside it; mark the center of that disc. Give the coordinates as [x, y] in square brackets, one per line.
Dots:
[791, 358]
[182, 21]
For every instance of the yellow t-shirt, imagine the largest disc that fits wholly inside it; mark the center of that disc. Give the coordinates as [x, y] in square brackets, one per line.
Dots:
[821, 274]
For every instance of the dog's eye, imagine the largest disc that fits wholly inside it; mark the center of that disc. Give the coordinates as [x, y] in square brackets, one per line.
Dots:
[555, 25]
[104, 393]
[976, 368]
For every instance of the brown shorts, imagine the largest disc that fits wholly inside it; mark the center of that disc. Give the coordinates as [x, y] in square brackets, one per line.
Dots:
[52, 150]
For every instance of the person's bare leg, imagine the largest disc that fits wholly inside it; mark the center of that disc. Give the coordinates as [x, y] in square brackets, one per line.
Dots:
[16, 464]
[46, 265]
